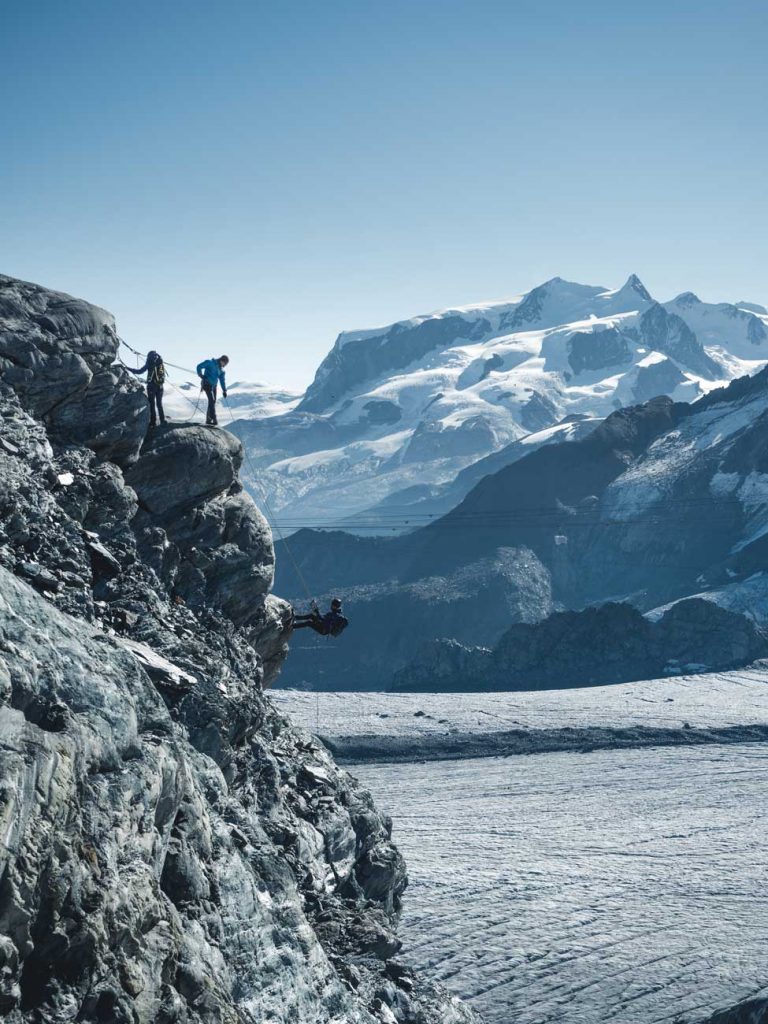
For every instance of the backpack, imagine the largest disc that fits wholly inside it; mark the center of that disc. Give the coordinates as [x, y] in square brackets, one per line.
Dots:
[156, 368]
[338, 624]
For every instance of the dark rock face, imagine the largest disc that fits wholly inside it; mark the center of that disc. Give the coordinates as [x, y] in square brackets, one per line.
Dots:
[475, 604]
[210, 460]
[756, 331]
[597, 350]
[431, 440]
[613, 643]
[382, 412]
[668, 333]
[56, 352]
[751, 1011]
[657, 379]
[173, 849]
[538, 412]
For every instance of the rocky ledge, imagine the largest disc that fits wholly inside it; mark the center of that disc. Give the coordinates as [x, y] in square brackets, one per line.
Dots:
[174, 849]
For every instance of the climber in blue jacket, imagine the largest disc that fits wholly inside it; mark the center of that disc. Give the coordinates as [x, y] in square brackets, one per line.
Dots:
[211, 374]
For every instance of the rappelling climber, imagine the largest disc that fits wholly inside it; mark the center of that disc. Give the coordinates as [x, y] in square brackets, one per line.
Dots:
[211, 374]
[155, 368]
[333, 623]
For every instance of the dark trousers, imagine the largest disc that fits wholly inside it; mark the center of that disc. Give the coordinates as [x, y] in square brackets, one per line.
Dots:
[155, 399]
[313, 621]
[210, 391]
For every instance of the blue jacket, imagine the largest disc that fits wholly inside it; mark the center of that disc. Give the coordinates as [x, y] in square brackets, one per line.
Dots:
[210, 370]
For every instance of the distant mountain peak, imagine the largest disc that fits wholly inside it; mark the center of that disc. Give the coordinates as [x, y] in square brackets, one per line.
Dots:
[634, 284]
[687, 299]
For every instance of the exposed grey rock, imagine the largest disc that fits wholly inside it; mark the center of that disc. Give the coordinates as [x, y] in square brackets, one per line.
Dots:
[668, 333]
[56, 351]
[657, 379]
[432, 441]
[597, 350]
[538, 412]
[173, 849]
[230, 543]
[184, 465]
[110, 416]
[613, 643]
[382, 411]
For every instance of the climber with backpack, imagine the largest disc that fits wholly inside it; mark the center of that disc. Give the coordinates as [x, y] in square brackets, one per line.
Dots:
[211, 374]
[333, 623]
[155, 369]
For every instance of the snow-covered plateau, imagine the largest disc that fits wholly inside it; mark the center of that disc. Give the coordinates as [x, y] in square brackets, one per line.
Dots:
[588, 883]
[396, 413]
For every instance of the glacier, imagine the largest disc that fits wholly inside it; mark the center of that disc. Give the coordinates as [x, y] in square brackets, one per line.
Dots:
[585, 884]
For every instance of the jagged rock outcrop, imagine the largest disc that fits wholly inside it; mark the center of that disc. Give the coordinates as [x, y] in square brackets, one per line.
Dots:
[751, 1011]
[174, 850]
[56, 352]
[612, 643]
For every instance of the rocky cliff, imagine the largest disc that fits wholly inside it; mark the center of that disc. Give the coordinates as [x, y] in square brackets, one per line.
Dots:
[174, 849]
[612, 643]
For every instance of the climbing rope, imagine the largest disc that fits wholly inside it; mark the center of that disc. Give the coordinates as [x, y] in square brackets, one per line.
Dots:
[254, 477]
[270, 514]
[195, 405]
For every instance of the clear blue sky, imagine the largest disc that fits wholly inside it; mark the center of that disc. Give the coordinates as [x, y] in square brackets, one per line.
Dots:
[255, 177]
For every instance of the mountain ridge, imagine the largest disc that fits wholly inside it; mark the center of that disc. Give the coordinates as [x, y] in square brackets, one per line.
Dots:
[403, 409]
[660, 502]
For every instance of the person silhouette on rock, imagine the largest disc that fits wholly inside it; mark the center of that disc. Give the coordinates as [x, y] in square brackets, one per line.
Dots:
[211, 374]
[333, 623]
[155, 369]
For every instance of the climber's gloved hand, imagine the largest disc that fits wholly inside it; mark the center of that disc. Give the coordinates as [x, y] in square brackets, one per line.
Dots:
[224, 393]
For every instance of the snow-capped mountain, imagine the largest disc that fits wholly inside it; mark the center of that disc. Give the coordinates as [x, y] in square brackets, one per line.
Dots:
[661, 503]
[394, 414]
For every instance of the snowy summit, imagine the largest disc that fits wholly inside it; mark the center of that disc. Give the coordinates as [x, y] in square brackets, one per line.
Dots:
[395, 413]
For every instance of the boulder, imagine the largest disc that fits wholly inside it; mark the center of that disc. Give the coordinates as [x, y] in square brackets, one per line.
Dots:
[268, 633]
[109, 415]
[183, 466]
[85, 329]
[42, 373]
[51, 343]
[229, 541]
